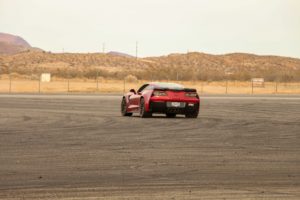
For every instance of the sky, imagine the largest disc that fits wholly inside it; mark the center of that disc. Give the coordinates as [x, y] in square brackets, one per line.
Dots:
[161, 27]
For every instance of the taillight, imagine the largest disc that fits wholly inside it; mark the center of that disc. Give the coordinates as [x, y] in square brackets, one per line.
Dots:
[191, 94]
[159, 93]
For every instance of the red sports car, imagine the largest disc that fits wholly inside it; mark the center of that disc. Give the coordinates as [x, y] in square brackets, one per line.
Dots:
[168, 98]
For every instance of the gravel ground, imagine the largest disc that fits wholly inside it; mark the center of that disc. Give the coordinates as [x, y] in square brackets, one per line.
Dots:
[79, 147]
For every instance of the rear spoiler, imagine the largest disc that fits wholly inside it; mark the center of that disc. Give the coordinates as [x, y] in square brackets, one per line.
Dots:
[190, 90]
[176, 90]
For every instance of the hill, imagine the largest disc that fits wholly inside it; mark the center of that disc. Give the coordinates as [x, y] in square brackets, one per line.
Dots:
[11, 44]
[116, 53]
[195, 66]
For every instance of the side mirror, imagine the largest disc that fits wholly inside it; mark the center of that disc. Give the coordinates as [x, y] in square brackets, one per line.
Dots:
[132, 90]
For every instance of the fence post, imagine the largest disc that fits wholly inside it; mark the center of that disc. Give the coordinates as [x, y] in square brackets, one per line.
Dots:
[9, 83]
[97, 84]
[97, 81]
[39, 84]
[68, 76]
[9, 88]
[124, 86]
[226, 86]
[252, 86]
[276, 87]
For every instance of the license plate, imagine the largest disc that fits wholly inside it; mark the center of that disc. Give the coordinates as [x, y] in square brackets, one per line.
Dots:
[175, 104]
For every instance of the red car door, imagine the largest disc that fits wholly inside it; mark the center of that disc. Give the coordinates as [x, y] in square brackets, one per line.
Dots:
[134, 99]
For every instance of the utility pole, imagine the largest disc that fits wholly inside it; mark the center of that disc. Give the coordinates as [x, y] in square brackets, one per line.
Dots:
[136, 50]
[103, 47]
[243, 61]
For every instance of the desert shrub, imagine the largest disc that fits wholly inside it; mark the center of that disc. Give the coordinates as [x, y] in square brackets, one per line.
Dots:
[15, 75]
[287, 77]
[241, 76]
[101, 79]
[131, 78]
[191, 66]
[297, 75]
[91, 73]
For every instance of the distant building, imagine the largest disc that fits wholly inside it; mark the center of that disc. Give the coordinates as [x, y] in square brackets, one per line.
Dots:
[45, 77]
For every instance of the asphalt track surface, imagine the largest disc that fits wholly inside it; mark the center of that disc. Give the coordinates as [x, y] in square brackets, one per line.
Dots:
[80, 147]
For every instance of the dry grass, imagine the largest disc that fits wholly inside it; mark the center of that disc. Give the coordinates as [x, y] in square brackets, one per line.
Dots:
[119, 86]
[191, 66]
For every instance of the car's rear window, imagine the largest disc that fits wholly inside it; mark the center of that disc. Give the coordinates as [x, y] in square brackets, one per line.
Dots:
[172, 86]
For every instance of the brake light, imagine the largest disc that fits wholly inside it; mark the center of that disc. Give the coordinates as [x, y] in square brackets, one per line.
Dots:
[191, 94]
[159, 93]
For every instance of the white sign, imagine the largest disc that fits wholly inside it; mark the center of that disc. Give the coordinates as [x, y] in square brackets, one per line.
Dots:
[45, 77]
[258, 82]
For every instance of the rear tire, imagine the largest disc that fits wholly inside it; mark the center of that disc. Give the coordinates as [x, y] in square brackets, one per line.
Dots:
[124, 108]
[170, 115]
[143, 113]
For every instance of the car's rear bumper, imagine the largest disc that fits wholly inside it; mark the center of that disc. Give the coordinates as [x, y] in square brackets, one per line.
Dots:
[164, 107]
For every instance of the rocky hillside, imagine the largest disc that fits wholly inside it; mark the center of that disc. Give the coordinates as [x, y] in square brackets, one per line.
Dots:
[237, 66]
[196, 66]
[11, 44]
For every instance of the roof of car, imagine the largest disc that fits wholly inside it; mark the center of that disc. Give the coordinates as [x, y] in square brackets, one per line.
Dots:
[166, 85]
